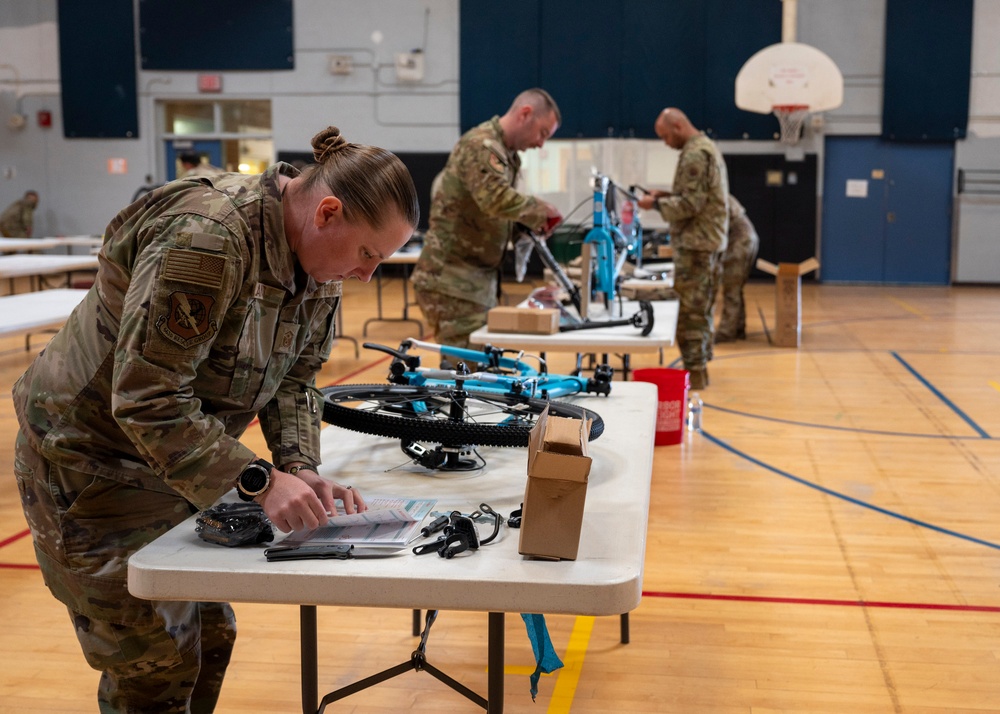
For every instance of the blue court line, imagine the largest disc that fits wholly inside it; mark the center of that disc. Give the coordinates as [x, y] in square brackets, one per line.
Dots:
[852, 429]
[848, 499]
[951, 405]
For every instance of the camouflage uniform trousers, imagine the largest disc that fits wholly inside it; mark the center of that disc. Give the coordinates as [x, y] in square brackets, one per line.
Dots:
[737, 263]
[451, 319]
[695, 282]
[154, 656]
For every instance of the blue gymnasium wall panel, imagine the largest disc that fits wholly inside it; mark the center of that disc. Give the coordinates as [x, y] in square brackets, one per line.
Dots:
[928, 64]
[97, 69]
[661, 58]
[734, 32]
[579, 65]
[613, 66]
[498, 56]
[220, 35]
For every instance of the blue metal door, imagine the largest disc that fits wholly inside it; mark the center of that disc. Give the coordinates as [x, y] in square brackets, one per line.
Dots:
[886, 212]
[210, 149]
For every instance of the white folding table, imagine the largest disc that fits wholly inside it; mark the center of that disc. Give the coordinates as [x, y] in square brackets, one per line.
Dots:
[26, 245]
[29, 313]
[606, 578]
[624, 339]
[16, 266]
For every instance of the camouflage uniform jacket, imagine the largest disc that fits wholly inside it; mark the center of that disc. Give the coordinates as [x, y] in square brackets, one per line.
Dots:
[198, 322]
[697, 209]
[472, 217]
[742, 235]
[17, 219]
[203, 170]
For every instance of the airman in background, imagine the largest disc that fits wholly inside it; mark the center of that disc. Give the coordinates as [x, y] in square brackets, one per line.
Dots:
[737, 262]
[698, 211]
[17, 220]
[473, 212]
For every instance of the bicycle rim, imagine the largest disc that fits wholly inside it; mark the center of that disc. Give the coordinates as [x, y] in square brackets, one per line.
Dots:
[423, 414]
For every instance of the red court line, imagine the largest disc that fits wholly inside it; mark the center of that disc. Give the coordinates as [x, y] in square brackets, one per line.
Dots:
[16, 536]
[16, 566]
[822, 601]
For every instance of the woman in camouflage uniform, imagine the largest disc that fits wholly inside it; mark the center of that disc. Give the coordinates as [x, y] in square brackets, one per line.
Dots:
[214, 304]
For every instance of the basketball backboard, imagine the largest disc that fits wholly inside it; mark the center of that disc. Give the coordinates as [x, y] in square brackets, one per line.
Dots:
[789, 74]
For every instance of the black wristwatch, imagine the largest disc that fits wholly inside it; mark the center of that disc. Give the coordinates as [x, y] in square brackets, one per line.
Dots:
[255, 479]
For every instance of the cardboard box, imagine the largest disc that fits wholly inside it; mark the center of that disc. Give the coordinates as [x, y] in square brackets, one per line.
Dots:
[534, 321]
[787, 299]
[554, 497]
[664, 251]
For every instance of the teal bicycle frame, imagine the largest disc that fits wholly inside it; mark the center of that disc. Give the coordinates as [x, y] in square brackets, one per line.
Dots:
[610, 245]
[489, 370]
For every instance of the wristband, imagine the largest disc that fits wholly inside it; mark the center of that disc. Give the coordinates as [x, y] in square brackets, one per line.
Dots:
[295, 469]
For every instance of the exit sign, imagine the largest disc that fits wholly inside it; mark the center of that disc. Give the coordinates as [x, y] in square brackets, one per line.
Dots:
[209, 82]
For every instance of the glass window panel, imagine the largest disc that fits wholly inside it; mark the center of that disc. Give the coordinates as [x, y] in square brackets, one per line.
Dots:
[189, 118]
[251, 117]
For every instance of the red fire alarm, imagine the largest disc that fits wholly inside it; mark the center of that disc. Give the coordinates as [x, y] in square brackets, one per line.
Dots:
[44, 118]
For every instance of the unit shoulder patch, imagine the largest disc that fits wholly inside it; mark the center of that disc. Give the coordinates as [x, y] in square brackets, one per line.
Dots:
[496, 164]
[189, 320]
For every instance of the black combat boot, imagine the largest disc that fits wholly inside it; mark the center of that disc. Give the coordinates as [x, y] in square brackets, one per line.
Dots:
[699, 378]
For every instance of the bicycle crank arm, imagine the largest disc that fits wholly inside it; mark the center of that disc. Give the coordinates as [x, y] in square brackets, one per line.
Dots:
[642, 319]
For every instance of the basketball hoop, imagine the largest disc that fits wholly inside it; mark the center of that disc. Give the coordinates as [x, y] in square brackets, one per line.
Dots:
[790, 117]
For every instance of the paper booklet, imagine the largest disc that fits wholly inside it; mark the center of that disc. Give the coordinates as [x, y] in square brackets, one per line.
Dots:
[389, 522]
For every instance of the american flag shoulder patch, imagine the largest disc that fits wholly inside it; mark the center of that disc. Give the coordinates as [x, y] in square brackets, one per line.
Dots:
[192, 266]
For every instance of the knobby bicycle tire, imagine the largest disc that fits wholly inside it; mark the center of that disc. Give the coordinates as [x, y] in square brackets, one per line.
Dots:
[422, 414]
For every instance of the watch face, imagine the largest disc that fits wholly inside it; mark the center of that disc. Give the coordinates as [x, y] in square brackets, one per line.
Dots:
[254, 479]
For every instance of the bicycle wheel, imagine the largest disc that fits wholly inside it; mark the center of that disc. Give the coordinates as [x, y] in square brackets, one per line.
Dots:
[424, 414]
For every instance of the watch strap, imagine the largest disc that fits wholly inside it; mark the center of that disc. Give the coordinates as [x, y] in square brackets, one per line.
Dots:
[259, 466]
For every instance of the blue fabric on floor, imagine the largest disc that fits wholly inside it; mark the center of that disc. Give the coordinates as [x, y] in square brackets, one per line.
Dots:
[546, 659]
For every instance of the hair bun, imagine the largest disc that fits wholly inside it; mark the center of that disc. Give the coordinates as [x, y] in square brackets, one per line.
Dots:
[327, 142]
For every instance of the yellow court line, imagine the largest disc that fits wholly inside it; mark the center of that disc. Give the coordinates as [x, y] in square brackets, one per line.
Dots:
[909, 308]
[521, 669]
[995, 385]
[569, 675]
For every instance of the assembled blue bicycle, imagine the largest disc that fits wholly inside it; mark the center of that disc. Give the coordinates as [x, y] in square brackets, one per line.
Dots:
[488, 399]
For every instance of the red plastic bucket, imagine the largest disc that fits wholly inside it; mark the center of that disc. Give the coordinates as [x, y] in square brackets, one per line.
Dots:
[672, 389]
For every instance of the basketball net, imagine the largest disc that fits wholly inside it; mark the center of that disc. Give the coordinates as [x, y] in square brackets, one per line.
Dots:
[791, 117]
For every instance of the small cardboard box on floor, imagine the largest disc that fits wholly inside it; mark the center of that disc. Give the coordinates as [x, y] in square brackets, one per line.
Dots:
[530, 320]
[558, 470]
[787, 299]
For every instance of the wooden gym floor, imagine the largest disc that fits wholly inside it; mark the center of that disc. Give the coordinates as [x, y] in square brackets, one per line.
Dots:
[829, 543]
